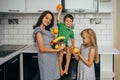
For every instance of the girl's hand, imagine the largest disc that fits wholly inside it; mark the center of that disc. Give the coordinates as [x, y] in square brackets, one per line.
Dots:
[76, 57]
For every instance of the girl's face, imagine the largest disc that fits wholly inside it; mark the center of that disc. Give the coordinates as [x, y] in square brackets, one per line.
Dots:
[86, 40]
[47, 20]
[68, 22]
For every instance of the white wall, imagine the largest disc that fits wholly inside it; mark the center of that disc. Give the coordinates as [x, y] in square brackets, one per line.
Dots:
[22, 33]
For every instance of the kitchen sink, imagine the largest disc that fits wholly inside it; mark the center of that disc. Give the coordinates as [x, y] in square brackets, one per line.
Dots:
[6, 50]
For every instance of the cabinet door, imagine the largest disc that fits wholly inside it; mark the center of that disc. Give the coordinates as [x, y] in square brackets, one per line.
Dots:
[30, 65]
[12, 5]
[80, 5]
[41, 5]
[105, 6]
[12, 69]
[2, 72]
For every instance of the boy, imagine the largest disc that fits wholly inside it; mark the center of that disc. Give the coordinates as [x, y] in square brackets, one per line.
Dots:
[64, 29]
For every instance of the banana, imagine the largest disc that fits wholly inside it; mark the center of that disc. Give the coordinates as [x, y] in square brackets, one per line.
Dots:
[58, 39]
[56, 46]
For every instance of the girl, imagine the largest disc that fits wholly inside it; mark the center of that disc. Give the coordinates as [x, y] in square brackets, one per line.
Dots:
[47, 57]
[87, 55]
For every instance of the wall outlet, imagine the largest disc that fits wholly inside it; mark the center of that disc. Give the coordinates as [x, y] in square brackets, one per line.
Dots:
[13, 21]
[95, 21]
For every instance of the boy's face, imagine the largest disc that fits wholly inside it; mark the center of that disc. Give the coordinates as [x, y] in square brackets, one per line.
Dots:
[68, 22]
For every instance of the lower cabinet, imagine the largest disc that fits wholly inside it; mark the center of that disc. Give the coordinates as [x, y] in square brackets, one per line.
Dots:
[30, 66]
[97, 70]
[10, 69]
[72, 72]
[2, 72]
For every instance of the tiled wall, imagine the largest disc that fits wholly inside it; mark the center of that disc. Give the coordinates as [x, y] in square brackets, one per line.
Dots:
[21, 33]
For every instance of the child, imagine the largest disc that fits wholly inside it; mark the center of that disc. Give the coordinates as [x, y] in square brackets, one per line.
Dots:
[64, 29]
[87, 55]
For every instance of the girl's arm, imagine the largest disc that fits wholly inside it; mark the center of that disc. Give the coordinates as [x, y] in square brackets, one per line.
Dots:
[41, 46]
[90, 60]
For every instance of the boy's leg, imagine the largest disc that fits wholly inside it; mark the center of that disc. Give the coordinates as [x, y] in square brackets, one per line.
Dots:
[61, 54]
[68, 57]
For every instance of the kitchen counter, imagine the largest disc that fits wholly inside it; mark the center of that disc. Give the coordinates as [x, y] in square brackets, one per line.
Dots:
[33, 49]
[30, 49]
[108, 50]
[6, 58]
[102, 49]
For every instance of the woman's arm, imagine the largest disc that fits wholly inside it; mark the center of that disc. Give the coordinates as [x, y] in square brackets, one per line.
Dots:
[41, 46]
[90, 60]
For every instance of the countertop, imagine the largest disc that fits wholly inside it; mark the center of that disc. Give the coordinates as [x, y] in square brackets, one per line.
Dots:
[101, 50]
[5, 59]
[108, 50]
[33, 49]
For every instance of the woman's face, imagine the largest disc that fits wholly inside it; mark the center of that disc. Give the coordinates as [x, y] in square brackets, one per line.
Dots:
[68, 22]
[47, 20]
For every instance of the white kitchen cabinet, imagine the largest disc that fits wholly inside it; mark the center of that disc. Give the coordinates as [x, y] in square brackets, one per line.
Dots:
[105, 6]
[35, 6]
[12, 5]
[79, 6]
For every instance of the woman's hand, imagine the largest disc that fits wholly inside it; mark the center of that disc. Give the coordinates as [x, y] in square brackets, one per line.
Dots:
[61, 47]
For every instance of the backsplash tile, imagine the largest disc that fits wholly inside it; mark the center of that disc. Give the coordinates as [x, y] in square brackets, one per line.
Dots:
[22, 33]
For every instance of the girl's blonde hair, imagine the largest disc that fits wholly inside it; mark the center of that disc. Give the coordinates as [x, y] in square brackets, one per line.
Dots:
[93, 40]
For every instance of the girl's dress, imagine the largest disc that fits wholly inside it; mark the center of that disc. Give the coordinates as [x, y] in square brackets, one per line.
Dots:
[85, 72]
[48, 62]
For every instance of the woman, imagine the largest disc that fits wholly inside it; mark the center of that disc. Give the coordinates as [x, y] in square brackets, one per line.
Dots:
[47, 57]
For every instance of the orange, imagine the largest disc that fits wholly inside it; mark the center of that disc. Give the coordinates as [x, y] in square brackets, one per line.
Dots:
[76, 50]
[55, 30]
[59, 6]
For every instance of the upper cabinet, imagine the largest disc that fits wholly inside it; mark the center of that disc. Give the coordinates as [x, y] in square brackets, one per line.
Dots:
[105, 6]
[36, 6]
[12, 5]
[77, 6]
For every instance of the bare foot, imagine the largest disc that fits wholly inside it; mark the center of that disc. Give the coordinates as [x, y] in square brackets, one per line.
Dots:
[61, 72]
[66, 71]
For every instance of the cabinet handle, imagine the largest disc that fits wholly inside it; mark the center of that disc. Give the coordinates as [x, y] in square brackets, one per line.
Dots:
[34, 56]
[40, 10]
[13, 61]
[10, 10]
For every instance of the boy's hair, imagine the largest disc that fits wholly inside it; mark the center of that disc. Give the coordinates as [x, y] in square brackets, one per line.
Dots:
[68, 16]
[92, 36]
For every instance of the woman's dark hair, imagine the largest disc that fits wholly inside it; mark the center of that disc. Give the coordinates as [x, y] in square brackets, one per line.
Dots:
[40, 20]
[69, 16]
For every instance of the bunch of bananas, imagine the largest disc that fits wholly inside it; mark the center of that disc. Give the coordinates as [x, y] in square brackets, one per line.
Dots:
[57, 42]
